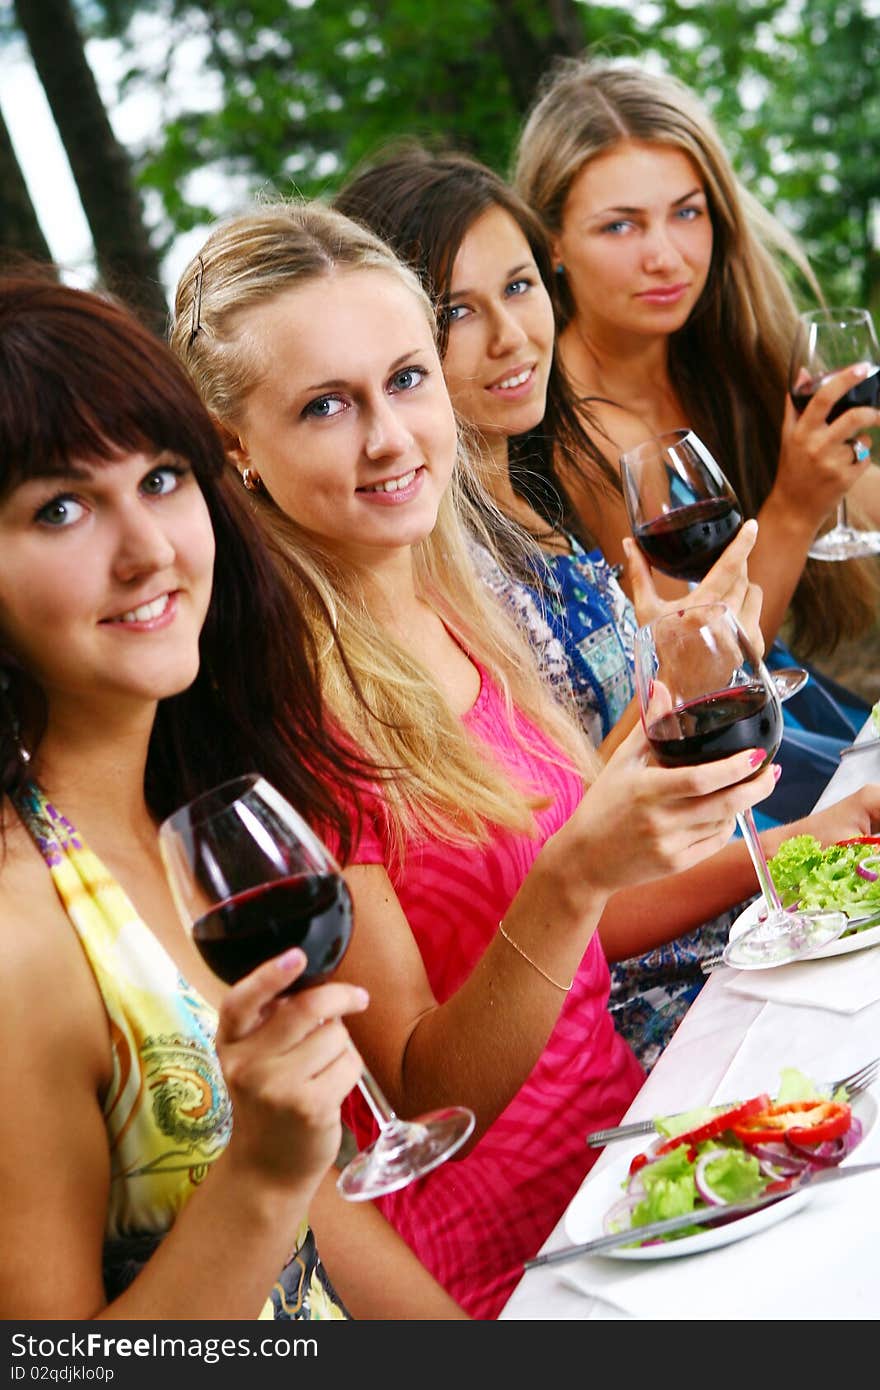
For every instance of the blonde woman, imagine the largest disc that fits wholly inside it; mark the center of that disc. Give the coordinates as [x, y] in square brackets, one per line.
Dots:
[675, 311]
[483, 868]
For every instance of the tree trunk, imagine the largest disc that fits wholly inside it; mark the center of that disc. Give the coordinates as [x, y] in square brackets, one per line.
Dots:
[20, 232]
[524, 54]
[127, 263]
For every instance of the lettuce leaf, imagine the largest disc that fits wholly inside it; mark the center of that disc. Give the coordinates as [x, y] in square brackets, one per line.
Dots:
[810, 876]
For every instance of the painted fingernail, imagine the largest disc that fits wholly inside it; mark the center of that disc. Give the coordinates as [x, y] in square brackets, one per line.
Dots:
[363, 996]
[863, 369]
[295, 956]
[777, 772]
[757, 757]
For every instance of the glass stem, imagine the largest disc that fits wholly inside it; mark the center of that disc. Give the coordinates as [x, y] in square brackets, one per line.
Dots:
[381, 1110]
[842, 520]
[746, 822]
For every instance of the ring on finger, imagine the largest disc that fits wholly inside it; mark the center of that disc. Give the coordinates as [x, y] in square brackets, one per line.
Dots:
[861, 450]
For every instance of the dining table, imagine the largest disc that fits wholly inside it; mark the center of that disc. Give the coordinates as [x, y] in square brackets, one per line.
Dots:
[818, 1260]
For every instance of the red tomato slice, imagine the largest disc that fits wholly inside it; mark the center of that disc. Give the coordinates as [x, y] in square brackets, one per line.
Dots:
[826, 1119]
[728, 1119]
[860, 840]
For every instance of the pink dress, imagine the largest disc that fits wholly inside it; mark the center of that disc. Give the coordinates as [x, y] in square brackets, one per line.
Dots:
[474, 1221]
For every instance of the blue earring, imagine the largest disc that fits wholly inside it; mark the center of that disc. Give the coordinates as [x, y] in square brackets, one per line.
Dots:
[559, 268]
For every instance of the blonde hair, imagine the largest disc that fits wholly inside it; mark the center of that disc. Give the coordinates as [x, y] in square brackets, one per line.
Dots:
[729, 363]
[439, 778]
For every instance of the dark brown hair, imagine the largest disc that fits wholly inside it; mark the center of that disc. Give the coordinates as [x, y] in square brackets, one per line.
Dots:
[81, 378]
[423, 204]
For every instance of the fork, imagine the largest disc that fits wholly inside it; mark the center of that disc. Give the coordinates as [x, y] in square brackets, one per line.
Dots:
[858, 1081]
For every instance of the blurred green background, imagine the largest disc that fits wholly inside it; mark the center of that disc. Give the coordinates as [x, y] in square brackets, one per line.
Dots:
[287, 95]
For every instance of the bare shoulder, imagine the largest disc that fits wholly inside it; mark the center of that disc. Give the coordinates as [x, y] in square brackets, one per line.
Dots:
[612, 427]
[54, 1065]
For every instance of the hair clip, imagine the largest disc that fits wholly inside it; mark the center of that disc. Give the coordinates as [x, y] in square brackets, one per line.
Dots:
[197, 303]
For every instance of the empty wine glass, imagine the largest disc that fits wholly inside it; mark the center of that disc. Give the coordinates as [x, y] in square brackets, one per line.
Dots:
[705, 694]
[250, 880]
[683, 512]
[826, 341]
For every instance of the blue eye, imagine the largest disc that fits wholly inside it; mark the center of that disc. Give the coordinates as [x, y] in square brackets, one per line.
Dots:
[689, 214]
[324, 408]
[408, 378]
[615, 227]
[61, 511]
[518, 287]
[455, 313]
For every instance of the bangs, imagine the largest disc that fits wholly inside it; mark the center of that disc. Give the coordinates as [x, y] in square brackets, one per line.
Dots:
[82, 383]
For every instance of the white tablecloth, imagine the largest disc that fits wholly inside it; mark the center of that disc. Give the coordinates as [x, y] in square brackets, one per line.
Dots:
[824, 1261]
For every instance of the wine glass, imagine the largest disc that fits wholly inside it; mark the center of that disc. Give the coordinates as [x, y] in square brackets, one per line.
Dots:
[683, 512]
[706, 694]
[826, 341]
[250, 879]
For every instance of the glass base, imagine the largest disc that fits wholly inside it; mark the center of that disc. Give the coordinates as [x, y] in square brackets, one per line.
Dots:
[845, 543]
[783, 937]
[404, 1151]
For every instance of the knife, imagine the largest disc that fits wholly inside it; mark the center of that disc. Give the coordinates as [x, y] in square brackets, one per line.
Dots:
[706, 1216]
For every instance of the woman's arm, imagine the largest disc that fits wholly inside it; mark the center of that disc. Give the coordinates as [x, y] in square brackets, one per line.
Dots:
[640, 918]
[478, 1046]
[224, 1251]
[370, 1265]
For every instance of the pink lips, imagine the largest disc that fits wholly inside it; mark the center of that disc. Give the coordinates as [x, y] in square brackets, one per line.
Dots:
[513, 393]
[400, 495]
[665, 294]
[162, 620]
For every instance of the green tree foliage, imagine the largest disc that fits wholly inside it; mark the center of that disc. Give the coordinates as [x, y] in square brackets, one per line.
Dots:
[289, 95]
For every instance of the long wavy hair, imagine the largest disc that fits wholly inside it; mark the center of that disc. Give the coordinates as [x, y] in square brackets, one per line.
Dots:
[423, 203]
[729, 363]
[247, 261]
[82, 379]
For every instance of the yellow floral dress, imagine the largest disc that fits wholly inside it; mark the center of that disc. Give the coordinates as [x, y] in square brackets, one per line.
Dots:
[167, 1110]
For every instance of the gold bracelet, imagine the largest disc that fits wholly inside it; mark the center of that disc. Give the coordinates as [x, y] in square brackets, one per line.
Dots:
[533, 963]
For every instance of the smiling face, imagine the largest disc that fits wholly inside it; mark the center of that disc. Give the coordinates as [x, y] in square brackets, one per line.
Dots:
[636, 240]
[500, 329]
[106, 578]
[350, 427]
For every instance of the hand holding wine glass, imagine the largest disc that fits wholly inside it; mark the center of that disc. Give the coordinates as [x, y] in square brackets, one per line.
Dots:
[251, 880]
[705, 694]
[827, 343]
[685, 516]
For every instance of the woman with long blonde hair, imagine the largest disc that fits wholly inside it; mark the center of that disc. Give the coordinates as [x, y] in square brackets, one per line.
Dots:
[675, 310]
[483, 868]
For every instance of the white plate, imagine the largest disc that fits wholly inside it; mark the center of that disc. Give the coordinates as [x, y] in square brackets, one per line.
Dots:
[859, 940]
[583, 1220]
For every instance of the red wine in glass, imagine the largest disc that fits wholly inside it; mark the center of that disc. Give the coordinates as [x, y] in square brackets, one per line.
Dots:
[312, 911]
[826, 342]
[250, 879]
[682, 510]
[864, 393]
[717, 726]
[685, 543]
[705, 694]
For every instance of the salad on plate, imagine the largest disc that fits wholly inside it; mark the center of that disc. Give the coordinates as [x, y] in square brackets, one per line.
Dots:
[845, 876]
[720, 1155]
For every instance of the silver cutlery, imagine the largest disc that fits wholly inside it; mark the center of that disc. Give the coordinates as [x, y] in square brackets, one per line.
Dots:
[865, 745]
[855, 1083]
[707, 1216]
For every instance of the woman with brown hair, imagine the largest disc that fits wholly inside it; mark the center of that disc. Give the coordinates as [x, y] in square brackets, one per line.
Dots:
[675, 312]
[137, 670]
